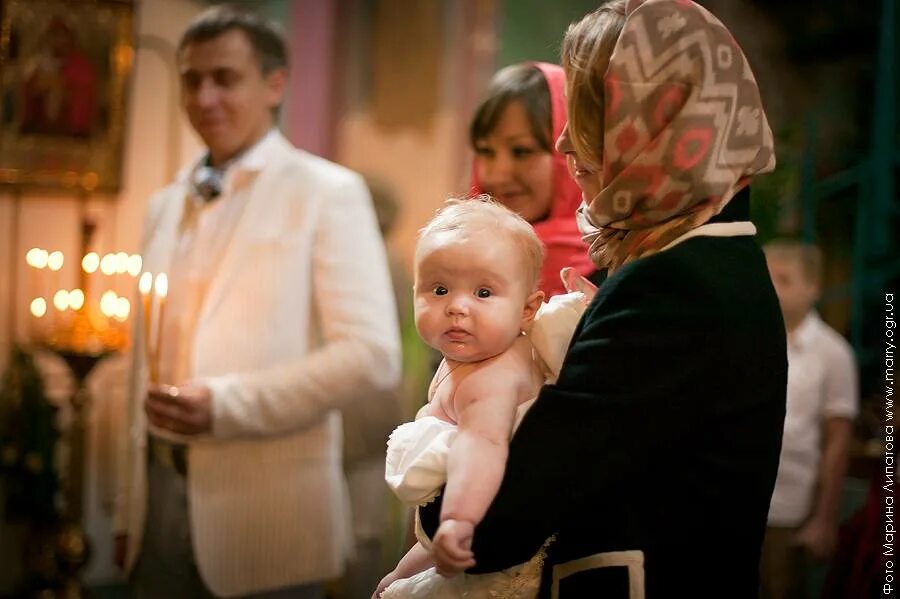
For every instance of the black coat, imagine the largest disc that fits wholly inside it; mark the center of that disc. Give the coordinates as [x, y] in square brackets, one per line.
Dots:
[661, 437]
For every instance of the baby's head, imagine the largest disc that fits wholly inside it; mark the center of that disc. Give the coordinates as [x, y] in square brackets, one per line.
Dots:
[477, 266]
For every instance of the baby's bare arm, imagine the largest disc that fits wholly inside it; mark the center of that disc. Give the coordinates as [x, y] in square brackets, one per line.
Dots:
[485, 404]
[416, 560]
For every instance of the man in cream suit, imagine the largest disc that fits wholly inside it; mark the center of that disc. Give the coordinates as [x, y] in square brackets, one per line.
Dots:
[279, 310]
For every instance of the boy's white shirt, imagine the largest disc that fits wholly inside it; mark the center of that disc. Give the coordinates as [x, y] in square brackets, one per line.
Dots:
[822, 384]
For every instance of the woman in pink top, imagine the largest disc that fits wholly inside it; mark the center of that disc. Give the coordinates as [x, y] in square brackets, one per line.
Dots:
[512, 134]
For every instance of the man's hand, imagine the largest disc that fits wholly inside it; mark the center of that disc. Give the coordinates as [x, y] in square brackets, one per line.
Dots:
[819, 537]
[452, 547]
[186, 410]
[120, 551]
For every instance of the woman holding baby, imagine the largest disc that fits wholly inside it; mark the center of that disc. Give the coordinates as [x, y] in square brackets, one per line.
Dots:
[646, 469]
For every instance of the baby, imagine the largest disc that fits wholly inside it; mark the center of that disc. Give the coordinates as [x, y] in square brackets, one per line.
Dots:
[476, 273]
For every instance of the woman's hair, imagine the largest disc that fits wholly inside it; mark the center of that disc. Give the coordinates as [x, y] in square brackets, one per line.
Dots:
[586, 50]
[483, 215]
[523, 82]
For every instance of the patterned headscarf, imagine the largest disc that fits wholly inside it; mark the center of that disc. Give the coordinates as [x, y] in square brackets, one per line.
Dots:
[684, 131]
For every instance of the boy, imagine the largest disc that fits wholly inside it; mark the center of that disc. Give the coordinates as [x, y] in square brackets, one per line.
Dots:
[822, 399]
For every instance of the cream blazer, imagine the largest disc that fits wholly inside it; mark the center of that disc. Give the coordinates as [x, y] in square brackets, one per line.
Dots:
[298, 319]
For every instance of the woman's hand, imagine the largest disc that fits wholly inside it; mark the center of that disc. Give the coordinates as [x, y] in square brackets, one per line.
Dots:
[452, 547]
[572, 281]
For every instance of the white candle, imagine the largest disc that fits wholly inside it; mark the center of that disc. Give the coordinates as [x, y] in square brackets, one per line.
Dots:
[37, 259]
[145, 284]
[55, 262]
[38, 309]
[161, 287]
[89, 264]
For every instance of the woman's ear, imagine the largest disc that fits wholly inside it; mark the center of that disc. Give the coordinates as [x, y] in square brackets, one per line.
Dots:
[532, 303]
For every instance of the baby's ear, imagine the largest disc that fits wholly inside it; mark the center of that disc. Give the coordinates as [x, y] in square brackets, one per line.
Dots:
[532, 303]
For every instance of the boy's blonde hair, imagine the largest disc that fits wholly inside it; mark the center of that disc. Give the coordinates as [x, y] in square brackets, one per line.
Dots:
[807, 255]
[482, 214]
[586, 50]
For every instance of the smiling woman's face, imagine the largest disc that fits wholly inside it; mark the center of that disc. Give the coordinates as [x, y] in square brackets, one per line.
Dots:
[512, 166]
[588, 178]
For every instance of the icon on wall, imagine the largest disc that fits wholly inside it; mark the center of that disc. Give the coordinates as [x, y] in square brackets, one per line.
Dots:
[64, 70]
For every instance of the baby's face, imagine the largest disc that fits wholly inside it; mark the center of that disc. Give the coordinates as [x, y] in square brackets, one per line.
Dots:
[470, 293]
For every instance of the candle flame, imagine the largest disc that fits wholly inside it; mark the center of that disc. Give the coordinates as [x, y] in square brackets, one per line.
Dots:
[122, 263]
[38, 307]
[109, 301]
[90, 262]
[162, 285]
[108, 264]
[135, 263]
[145, 283]
[36, 258]
[76, 299]
[55, 260]
[61, 300]
[123, 308]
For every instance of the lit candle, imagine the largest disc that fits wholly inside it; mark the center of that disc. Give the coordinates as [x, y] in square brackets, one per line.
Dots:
[76, 299]
[38, 309]
[135, 263]
[145, 284]
[121, 262]
[108, 264]
[61, 303]
[33, 258]
[55, 262]
[161, 289]
[89, 264]
[108, 303]
[37, 259]
[123, 308]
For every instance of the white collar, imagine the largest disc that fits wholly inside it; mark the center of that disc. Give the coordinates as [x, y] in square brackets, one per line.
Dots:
[252, 160]
[802, 336]
[733, 229]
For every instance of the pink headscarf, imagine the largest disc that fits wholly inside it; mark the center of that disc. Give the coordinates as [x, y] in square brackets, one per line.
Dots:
[684, 130]
[559, 231]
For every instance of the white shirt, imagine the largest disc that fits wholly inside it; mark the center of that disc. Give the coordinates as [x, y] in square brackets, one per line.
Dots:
[822, 384]
[204, 233]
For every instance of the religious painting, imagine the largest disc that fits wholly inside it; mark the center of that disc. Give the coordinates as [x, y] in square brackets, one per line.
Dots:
[64, 72]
